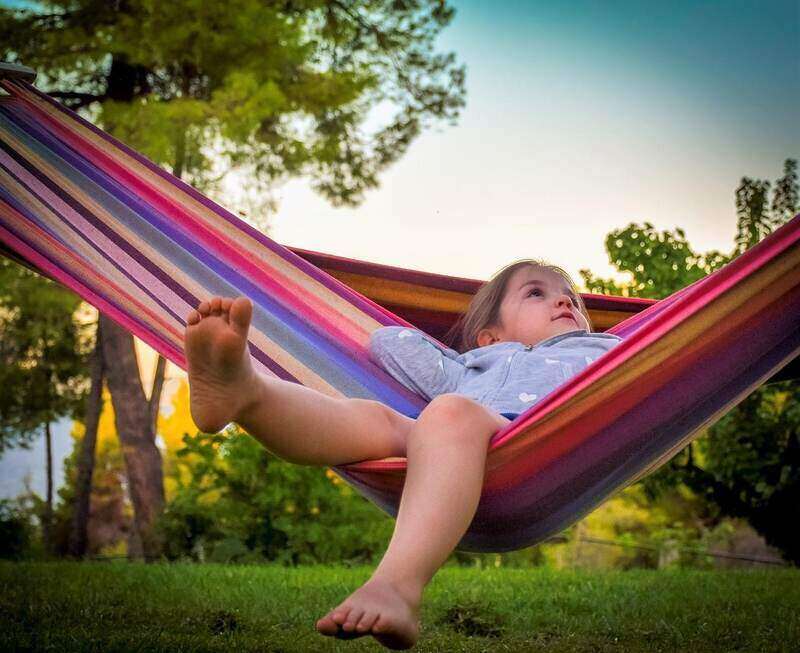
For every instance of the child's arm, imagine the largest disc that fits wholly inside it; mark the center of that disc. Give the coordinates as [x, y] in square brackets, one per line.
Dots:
[417, 362]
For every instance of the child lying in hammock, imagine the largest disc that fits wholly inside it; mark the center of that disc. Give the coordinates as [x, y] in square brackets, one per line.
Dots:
[526, 332]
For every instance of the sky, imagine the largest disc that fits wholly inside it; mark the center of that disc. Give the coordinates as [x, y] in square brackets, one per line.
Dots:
[581, 117]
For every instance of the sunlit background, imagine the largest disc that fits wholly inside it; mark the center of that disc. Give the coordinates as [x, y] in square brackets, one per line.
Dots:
[581, 117]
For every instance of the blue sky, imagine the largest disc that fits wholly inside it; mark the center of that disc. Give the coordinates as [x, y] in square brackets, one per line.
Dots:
[581, 117]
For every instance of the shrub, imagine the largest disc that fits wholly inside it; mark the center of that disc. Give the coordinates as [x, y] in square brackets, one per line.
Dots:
[235, 501]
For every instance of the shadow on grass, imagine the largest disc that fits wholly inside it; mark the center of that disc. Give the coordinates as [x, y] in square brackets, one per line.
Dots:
[472, 619]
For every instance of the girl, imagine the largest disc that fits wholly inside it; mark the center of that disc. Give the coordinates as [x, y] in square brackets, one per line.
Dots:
[526, 332]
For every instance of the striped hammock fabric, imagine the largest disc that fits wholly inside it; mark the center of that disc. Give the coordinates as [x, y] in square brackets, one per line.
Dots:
[145, 248]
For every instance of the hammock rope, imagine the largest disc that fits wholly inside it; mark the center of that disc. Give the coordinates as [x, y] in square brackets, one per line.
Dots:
[144, 248]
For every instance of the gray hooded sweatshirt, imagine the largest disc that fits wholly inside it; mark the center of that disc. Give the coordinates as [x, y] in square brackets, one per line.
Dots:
[508, 377]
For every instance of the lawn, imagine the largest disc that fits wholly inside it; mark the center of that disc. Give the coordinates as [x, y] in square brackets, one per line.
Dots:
[181, 607]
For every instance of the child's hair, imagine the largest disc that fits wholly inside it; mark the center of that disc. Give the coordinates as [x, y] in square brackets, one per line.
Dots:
[484, 309]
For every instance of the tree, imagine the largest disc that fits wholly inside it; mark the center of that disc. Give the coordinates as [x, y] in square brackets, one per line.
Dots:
[748, 463]
[785, 201]
[136, 432]
[659, 263]
[282, 88]
[78, 536]
[110, 526]
[277, 89]
[42, 364]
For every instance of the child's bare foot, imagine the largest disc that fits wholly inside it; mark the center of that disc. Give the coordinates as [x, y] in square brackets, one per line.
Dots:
[220, 373]
[376, 608]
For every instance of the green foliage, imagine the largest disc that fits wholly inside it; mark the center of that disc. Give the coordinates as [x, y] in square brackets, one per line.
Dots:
[659, 263]
[17, 532]
[43, 352]
[752, 206]
[335, 91]
[753, 447]
[749, 463]
[236, 502]
[786, 199]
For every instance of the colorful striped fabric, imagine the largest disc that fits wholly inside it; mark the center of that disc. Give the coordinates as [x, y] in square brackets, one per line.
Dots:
[435, 302]
[144, 248]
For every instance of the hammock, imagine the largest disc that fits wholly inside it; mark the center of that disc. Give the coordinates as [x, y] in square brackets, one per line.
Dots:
[144, 248]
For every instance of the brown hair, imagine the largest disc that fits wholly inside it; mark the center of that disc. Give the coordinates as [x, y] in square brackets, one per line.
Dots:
[484, 309]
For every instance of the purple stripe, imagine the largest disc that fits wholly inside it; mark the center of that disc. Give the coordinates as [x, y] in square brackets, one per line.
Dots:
[329, 282]
[95, 176]
[70, 272]
[551, 500]
[319, 353]
[103, 228]
[145, 212]
[12, 201]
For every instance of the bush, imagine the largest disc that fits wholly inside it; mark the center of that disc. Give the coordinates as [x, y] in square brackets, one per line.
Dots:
[235, 501]
[17, 532]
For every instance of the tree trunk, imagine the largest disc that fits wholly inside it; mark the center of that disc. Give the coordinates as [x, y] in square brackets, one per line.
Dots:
[155, 394]
[135, 429]
[78, 537]
[47, 521]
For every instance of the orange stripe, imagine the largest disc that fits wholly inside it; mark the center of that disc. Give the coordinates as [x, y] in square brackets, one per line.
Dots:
[410, 295]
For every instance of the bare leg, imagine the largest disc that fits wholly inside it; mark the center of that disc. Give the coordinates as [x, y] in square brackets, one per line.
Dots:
[296, 423]
[438, 504]
[308, 427]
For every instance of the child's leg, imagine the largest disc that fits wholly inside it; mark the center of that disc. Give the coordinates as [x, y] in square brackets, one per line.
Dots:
[307, 427]
[446, 451]
[298, 424]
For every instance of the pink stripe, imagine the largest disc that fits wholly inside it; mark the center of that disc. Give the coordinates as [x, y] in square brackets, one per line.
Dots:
[331, 283]
[54, 272]
[93, 235]
[282, 288]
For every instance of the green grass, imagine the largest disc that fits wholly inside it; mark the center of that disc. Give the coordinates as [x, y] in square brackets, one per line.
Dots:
[134, 607]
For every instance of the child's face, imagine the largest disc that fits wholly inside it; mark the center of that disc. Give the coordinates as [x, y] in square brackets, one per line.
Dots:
[538, 304]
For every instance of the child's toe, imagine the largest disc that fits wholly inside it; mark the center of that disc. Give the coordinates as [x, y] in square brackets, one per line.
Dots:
[327, 626]
[204, 308]
[382, 624]
[241, 313]
[366, 621]
[339, 615]
[216, 305]
[353, 618]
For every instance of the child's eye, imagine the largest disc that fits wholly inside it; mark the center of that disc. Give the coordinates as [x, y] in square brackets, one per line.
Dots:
[533, 290]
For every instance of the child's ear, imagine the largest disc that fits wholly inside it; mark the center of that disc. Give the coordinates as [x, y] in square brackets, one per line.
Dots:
[487, 336]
